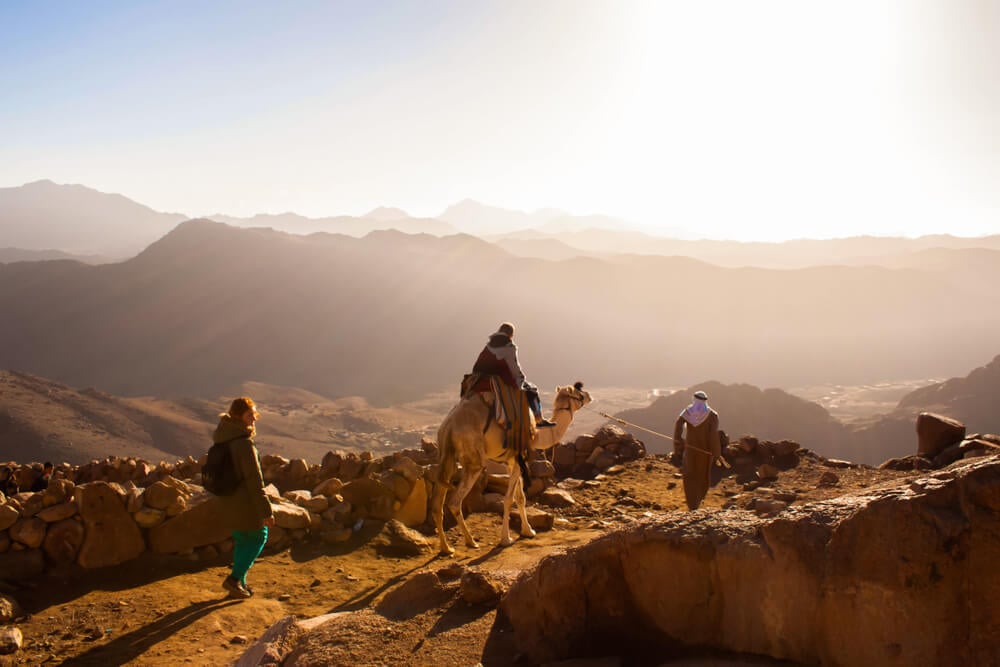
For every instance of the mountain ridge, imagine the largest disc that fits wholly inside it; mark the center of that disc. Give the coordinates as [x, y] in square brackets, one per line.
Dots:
[393, 316]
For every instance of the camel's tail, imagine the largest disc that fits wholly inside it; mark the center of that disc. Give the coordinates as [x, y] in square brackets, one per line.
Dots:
[523, 464]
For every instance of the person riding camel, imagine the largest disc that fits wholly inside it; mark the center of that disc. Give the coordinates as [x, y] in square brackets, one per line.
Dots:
[499, 358]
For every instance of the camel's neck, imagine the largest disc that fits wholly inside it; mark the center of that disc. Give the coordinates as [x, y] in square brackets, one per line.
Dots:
[550, 437]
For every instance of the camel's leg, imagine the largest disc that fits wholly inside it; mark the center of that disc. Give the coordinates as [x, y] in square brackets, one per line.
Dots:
[469, 478]
[522, 506]
[437, 507]
[514, 475]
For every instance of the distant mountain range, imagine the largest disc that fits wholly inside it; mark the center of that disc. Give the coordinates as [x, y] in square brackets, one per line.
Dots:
[75, 219]
[8, 255]
[378, 220]
[44, 216]
[392, 316]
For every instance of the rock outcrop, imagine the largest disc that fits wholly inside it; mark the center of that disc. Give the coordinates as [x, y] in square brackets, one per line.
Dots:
[904, 574]
[935, 433]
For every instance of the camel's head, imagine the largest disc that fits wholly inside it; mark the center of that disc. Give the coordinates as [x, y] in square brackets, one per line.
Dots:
[571, 398]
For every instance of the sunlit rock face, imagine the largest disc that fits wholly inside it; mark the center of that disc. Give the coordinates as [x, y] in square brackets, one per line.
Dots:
[904, 574]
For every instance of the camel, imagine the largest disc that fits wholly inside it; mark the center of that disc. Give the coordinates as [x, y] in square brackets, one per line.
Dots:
[462, 440]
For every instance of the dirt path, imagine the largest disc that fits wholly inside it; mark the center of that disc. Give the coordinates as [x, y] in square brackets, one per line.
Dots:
[160, 611]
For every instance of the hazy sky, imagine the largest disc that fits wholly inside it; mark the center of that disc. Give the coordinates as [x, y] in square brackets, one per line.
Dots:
[735, 119]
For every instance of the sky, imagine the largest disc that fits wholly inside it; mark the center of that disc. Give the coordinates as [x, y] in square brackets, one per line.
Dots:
[759, 120]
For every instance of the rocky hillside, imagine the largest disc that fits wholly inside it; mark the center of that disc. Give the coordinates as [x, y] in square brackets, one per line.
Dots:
[767, 413]
[45, 420]
[972, 399]
[775, 414]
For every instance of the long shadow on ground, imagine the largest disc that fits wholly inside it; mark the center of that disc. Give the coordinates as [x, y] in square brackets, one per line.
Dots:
[365, 598]
[137, 642]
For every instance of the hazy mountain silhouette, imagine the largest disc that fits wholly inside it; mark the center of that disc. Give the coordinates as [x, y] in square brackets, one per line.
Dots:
[8, 255]
[76, 219]
[550, 249]
[472, 217]
[376, 220]
[386, 213]
[392, 316]
[770, 414]
[856, 251]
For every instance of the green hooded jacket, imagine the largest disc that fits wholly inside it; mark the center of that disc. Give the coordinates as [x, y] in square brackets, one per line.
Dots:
[247, 508]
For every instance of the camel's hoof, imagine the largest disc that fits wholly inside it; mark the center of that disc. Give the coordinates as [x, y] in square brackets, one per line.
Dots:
[447, 551]
[472, 545]
[506, 542]
[530, 533]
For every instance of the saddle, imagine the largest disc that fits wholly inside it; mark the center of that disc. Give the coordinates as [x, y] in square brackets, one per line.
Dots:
[510, 409]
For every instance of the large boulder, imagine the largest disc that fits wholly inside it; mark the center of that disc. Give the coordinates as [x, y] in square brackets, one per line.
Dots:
[936, 433]
[398, 540]
[413, 511]
[31, 503]
[297, 497]
[58, 512]
[416, 595]
[537, 518]
[10, 640]
[165, 493]
[370, 496]
[329, 487]
[149, 517]
[289, 516]
[556, 497]
[10, 610]
[542, 470]
[898, 575]
[408, 468]
[911, 462]
[477, 587]
[63, 541]
[200, 525]
[58, 491]
[111, 535]
[9, 515]
[316, 504]
[564, 456]
[29, 532]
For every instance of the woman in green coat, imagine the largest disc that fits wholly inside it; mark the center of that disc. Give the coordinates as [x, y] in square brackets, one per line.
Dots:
[247, 511]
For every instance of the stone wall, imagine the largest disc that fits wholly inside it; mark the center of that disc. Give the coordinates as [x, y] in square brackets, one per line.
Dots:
[107, 512]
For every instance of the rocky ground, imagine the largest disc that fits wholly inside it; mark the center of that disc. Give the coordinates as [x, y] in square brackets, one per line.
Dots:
[166, 610]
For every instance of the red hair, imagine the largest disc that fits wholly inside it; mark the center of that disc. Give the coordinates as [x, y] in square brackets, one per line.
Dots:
[241, 406]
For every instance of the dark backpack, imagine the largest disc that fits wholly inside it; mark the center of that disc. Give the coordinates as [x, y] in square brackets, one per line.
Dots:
[219, 475]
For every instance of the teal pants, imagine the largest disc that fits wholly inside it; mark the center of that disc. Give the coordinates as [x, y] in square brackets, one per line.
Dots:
[247, 545]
